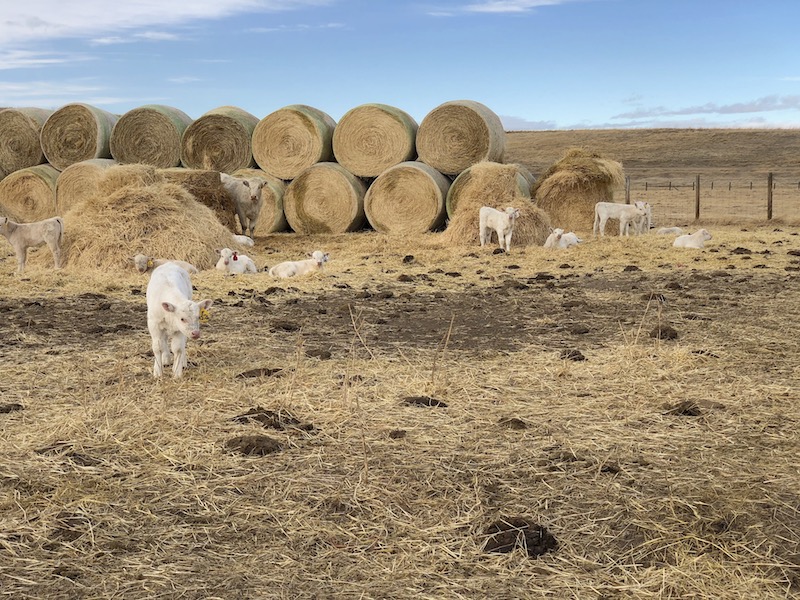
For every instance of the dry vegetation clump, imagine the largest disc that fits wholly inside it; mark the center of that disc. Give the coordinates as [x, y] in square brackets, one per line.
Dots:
[79, 181]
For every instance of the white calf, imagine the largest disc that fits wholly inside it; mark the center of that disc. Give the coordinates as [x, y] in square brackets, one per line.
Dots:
[231, 261]
[670, 231]
[172, 317]
[244, 240]
[642, 224]
[292, 268]
[627, 214]
[144, 263]
[694, 240]
[246, 195]
[22, 236]
[559, 239]
[502, 223]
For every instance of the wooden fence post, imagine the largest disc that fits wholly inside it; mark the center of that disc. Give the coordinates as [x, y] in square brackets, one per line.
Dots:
[696, 197]
[627, 189]
[769, 196]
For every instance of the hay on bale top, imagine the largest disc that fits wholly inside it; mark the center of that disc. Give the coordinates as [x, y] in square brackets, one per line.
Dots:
[498, 186]
[150, 134]
[483, 178]
[272, 218]
[570, 188]
[159, 219]
[79, 181]
[20, 130]
[370, 138]
[219, 140]
[205, 186]
[29, 194]
[77, 132]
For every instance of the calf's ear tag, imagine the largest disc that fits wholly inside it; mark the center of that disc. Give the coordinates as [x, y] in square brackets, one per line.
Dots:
[235, 256]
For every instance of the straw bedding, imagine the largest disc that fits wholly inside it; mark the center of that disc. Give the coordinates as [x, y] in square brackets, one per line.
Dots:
[220, 140]
[150, 134]
[407, 198]
[272, 218]
[370, 138]
[29, 194]
[206, 188]
[20, 130]
[325, 198]
[458, 134]
[77, 132]
[292, 139]
[79, 181]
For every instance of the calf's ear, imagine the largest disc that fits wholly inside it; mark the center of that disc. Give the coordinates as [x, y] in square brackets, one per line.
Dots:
[206, 304]
[167, 306]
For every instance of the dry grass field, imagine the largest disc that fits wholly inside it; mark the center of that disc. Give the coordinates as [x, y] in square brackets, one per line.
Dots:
[361, 432]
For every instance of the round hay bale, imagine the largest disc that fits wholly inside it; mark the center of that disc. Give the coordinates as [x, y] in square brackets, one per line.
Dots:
[325, 198]
[292, 139]
[80, 181]
[526, 173]
[150, 134]
[571, 187]
[77, 132]
[407, 198]
[206, 188]
[220, 140]
[29, 194]
[272, 218]
[485, 180]
[370, 138]
[161, 219]
[20, 146]
[458, 134]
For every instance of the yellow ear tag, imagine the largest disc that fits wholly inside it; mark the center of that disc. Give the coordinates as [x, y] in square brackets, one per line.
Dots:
[150, 264]
[205, 315]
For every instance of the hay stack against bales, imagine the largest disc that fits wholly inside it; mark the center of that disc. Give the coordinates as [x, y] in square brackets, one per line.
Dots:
[143, 214]
[407, 198]
[458, 134]
[292, 139]
[272, 218]
[29, 194]
[373, 137]
[79, 181]
[150, 134]
[481, 176]
[77, 132]
[570, 188]
[220, 140]
[20, 129]
[325, 198]
[498, 186]
[206, 187]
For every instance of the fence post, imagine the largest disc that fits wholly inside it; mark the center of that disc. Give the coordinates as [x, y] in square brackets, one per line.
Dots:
[696, 197]
[627, 189]
[769, 196]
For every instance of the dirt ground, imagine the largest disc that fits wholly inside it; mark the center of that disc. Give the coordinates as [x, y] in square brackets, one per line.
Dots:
[628, 409]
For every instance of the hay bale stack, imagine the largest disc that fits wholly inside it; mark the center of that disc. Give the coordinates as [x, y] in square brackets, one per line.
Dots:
[206, 188]
[151, 135]
[498, 186]
[526, 173]
[77, 132]
[272, 218]
[458, 134]
[482, 179]
[407, 198]
[20, 130]
[325, 198]
[220, 140]
[160, 219]
[292, 139]
[79, 181]
[29, 194]
[373, 137]
[571, 187]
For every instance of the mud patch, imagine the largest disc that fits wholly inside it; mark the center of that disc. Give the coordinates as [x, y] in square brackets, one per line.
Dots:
[272, 419]
[424, 401]
[254, 445]
[504, 535]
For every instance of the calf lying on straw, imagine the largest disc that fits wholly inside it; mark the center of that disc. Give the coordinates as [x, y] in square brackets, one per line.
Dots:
[246, 195]
[670, 231]
[144, 263]
[22, 236]
[244, 240]
[172, 316]
[695, 240]
[502, 223]
[559, 239]
[234, 263]
[627, 214]
[292, 268]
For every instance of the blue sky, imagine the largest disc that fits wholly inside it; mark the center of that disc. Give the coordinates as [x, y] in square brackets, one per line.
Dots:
[538, 64]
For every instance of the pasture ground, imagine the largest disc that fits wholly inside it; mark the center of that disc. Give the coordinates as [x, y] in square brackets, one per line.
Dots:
[290, 463]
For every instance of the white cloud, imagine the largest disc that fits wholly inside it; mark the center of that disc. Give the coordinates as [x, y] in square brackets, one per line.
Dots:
[765, 104]
[510, 6]
[24, 59]
[184, 79]
[519, 124]
[295, 28]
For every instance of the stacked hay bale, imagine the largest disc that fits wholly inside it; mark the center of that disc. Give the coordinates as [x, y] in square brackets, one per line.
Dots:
[29, 194]
[571, 187]
[77, 132]
[151, 134]
[20, 129]
[79, 181]
[220, 140]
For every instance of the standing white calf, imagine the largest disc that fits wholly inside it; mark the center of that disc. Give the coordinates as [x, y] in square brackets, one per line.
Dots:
[642, 224]
[625, 213]
[246, 195]
[502, 223]
[172, 316]
[231, 261]
[22, 236]
[694, 240]
[292, 268]
[559, 239]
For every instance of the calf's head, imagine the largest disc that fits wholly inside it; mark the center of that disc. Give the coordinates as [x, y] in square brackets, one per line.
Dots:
[185, 316]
